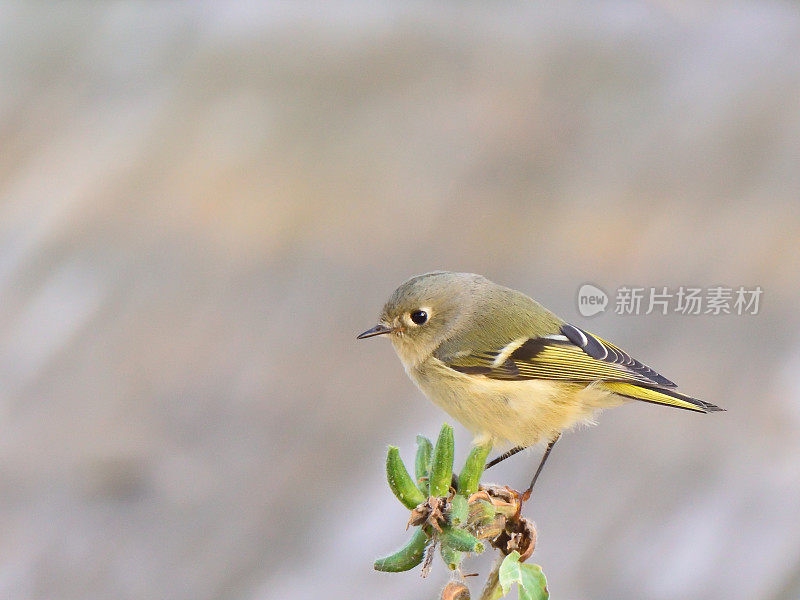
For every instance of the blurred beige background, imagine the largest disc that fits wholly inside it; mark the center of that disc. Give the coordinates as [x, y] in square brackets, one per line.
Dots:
[201, 205]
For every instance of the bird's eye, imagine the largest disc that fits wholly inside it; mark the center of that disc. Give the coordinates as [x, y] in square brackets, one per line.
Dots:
[419, 316]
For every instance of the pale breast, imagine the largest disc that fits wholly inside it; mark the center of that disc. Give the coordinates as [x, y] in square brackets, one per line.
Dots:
[520, 413]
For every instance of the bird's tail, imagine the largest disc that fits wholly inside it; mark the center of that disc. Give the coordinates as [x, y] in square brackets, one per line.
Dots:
[660, 395]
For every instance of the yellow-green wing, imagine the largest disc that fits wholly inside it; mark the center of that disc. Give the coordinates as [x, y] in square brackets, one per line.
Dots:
[598, 348]
[574, 355]
[577, 356]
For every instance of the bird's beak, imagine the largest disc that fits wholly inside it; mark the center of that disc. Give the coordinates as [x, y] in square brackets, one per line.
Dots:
[379, 329]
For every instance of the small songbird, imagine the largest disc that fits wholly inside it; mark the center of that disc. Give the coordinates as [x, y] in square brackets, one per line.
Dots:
[507, 368]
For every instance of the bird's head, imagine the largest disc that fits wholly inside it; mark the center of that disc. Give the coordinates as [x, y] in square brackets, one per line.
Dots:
[424, 311]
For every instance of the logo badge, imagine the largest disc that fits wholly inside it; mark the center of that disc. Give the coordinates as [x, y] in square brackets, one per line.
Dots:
[591, 300]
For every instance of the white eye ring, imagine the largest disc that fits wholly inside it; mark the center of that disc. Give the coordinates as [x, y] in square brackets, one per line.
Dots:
[419, 316]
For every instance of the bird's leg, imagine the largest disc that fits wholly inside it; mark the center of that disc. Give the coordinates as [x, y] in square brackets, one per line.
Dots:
[527, 494]
[504, 456]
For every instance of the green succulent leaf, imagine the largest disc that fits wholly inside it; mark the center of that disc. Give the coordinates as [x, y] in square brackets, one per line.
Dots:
[460, 539]
[459, 511]
[442, 468]
[470, 475]
[407, 557]
[450, 556]
[422, 466]
[531, 580]
[400, 481]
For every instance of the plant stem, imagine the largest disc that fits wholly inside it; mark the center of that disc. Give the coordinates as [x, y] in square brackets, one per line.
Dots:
[490, 589]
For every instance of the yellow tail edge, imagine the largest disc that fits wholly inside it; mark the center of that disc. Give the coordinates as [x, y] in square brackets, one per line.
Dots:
[660, 396]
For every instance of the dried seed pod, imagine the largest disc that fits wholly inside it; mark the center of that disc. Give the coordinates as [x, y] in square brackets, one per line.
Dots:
[520, 535]
[502, 492]
[522, 538]
[491, 529]
[507, 509]
[430, 513]
[504, 501]
[481, 512]
[479, 495]
[455, 590]
[419, 515]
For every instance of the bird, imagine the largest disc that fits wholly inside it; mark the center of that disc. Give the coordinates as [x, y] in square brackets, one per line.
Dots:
[507, 368]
